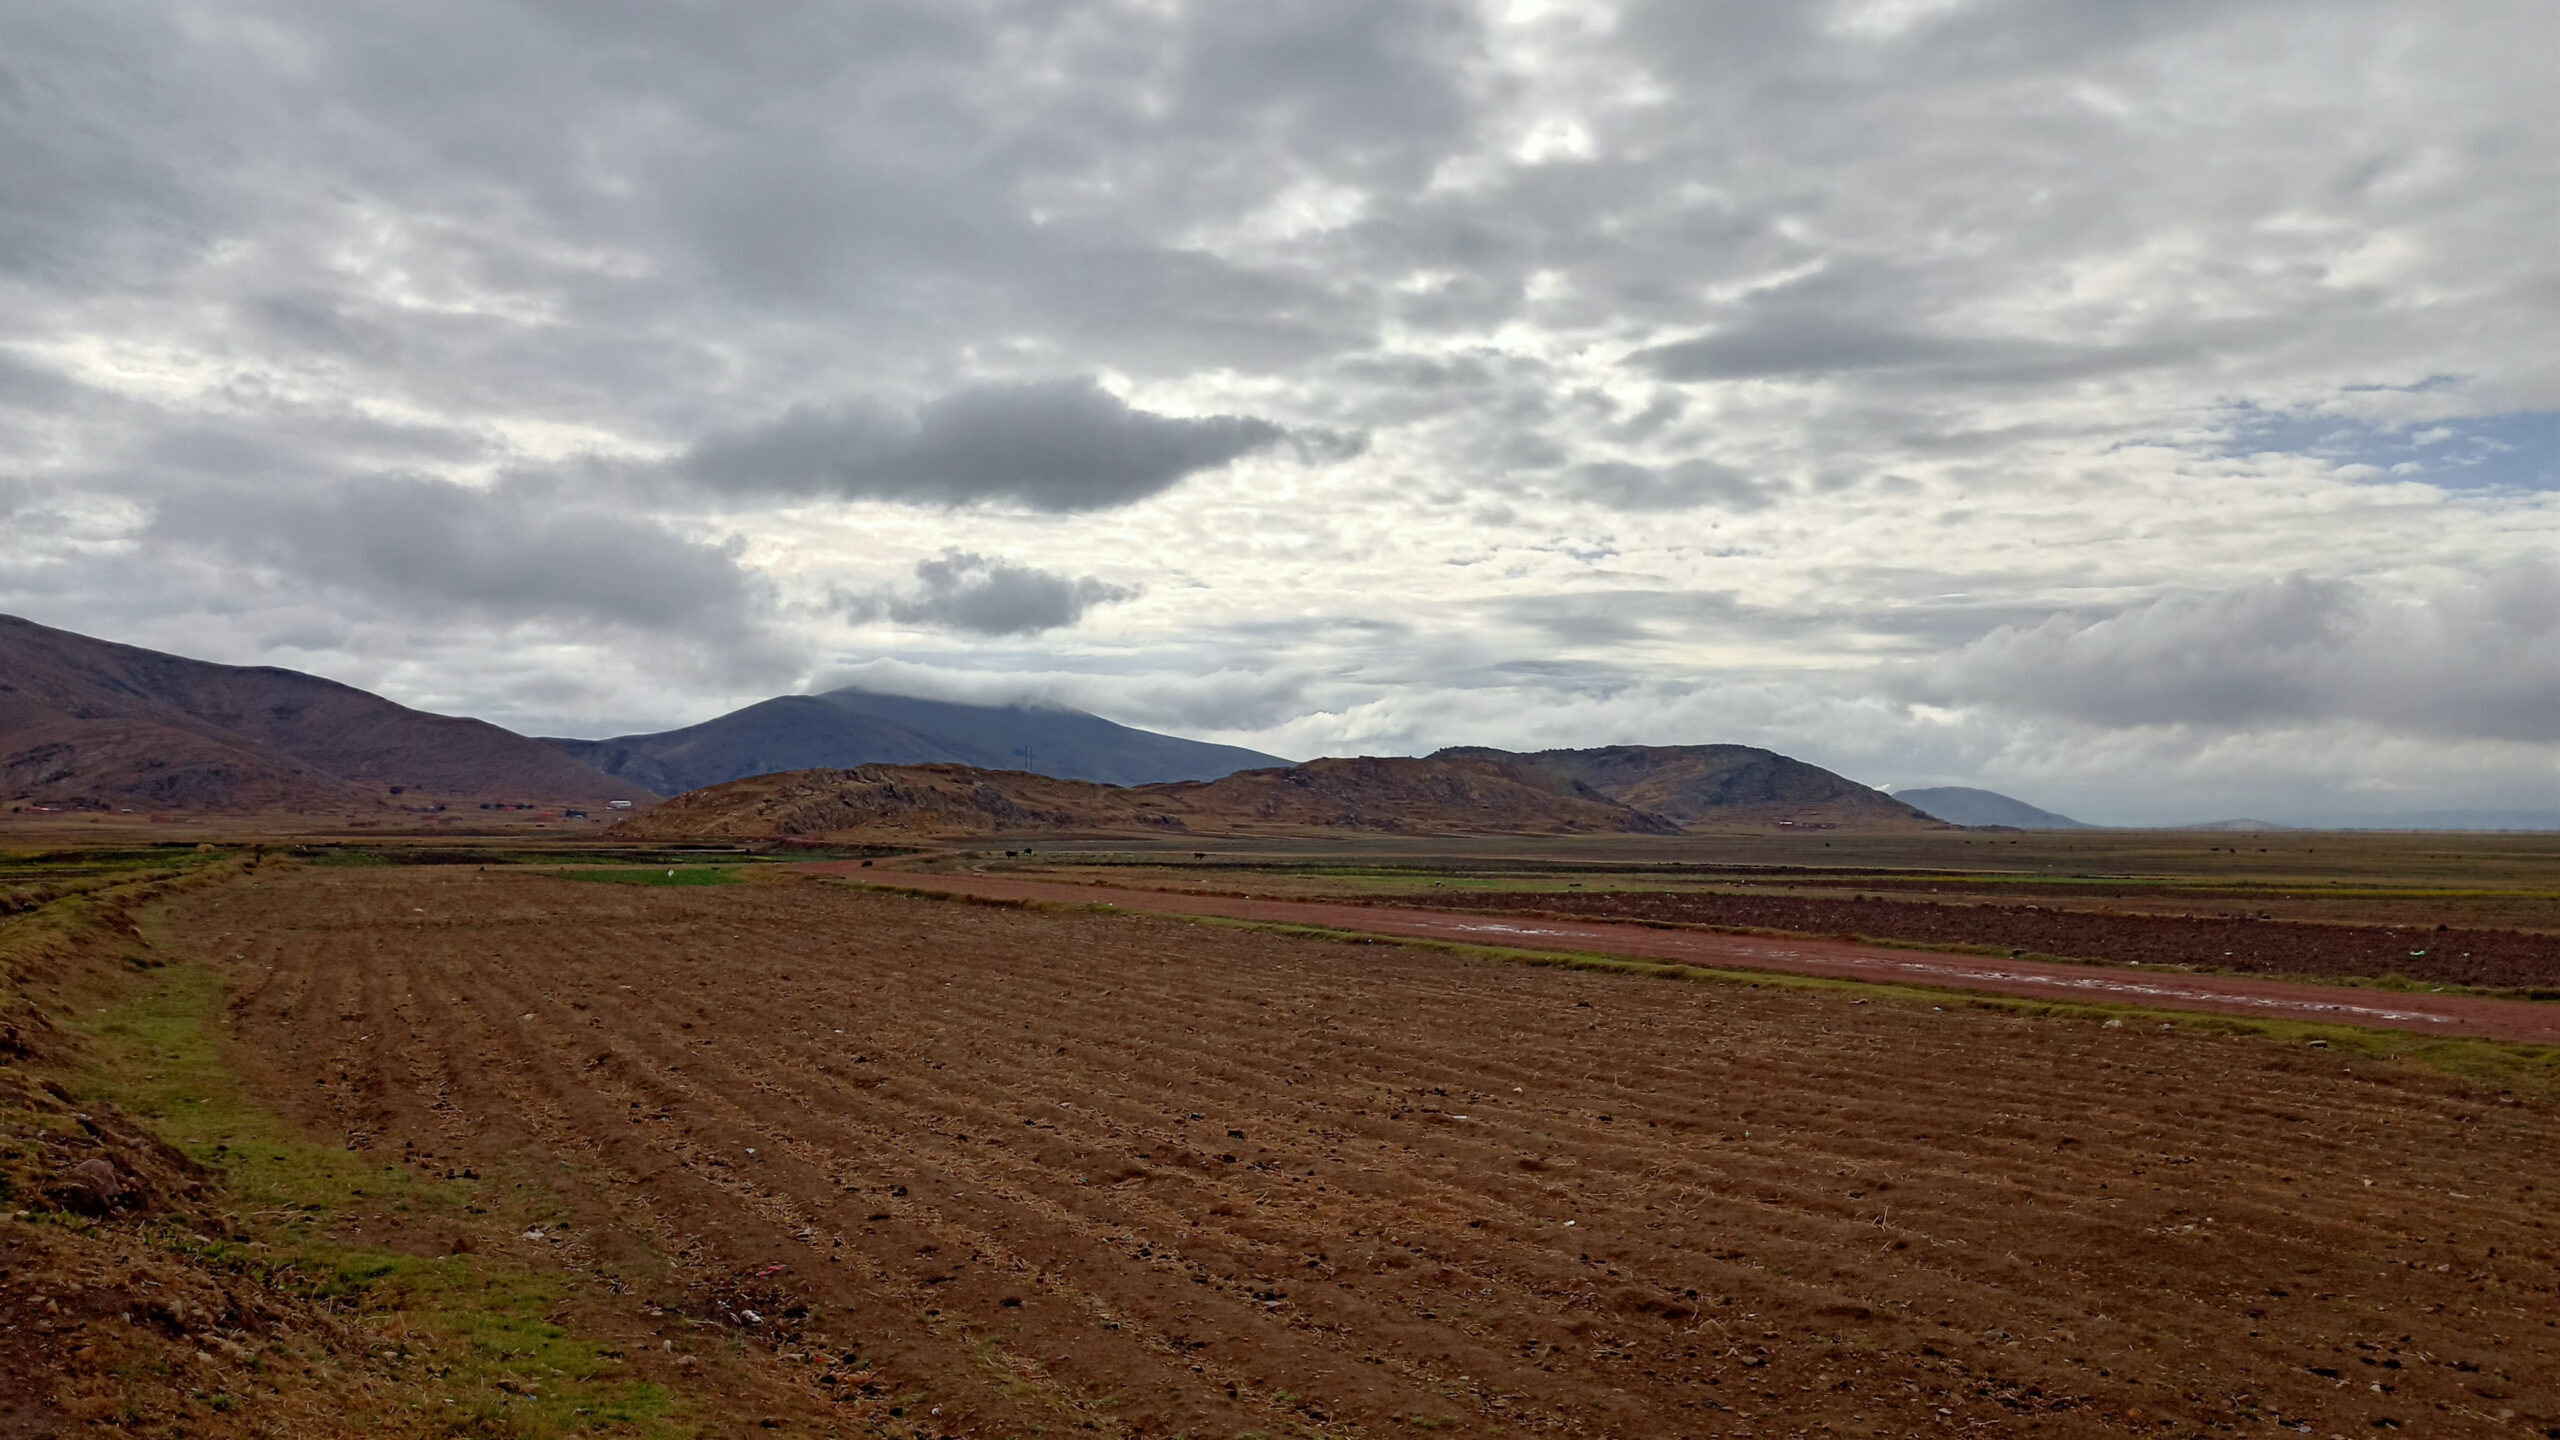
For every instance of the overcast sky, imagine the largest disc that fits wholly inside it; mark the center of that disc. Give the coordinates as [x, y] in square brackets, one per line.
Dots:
[2150, 408]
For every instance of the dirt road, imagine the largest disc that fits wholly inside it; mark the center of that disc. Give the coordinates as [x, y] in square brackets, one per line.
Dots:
[2109, 931]
[2429, 1014]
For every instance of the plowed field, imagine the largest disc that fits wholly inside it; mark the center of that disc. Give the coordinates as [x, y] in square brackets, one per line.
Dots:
[2508, 958]
[963, 1170]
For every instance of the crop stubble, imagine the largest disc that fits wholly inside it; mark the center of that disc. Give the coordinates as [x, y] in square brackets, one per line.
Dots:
[968, 1134]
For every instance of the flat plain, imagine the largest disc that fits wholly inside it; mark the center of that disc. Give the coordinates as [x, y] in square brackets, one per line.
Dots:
[936, 1168]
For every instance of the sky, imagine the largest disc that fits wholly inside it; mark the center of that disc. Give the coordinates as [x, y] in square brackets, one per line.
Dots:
[2149, 408]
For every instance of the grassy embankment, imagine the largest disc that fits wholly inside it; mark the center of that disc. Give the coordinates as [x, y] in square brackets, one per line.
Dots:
[328, 1331]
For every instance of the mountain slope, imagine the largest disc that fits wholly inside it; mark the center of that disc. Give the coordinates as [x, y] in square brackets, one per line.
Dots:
[1442, 794]
[849, 728]
[789, 732]
[93, 724]
[908, 802]
[1964, 805]
[1706, 786]
[1054, 741]
[896, 803]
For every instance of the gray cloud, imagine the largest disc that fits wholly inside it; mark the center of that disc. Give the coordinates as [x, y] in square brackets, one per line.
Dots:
[1806, 347]
[1685, 485]
[1862, 317]
[429, 547]
[1900, 323]
[2472, 656]
[979, 596]
[1060, 445]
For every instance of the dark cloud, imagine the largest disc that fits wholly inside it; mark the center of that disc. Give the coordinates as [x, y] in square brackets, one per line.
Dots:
[1856, 316]
[1058, 445]
[28, 387]
[1791, 348]
[979, 596]
[433, 548]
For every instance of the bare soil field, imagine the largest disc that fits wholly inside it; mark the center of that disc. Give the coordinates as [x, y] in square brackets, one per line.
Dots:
[972, 1171]
[2478, 881]
[1672, 951]
[2438, 954]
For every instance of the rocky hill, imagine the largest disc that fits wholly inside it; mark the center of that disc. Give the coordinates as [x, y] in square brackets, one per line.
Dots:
[1707, 787]
[91, 724]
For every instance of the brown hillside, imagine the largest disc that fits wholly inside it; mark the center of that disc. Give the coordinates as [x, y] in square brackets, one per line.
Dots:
[896, 802]
[1437, 796]
[1706, 787]
[92, 724]
[904, 802]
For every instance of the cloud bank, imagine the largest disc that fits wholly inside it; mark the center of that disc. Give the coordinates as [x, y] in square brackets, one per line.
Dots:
[2131, 404]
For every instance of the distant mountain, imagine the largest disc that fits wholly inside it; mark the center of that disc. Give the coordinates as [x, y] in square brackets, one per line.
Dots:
[1964, 805]
[1709, 786]
[1456, 792]
[90, 724]
[2242, 825]
[849, 728]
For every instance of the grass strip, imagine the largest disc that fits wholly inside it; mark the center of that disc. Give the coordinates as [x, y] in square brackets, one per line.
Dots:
[390, 1342]
[654, 875]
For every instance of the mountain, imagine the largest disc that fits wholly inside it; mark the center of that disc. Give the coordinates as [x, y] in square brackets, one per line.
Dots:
[1964, 805]
[1456, 792]
[91, 724]
[1709, 786]
[2242, 825]
[851, 728]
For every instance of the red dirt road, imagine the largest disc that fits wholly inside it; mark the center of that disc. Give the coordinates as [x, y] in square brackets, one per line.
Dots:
[2427, 1014]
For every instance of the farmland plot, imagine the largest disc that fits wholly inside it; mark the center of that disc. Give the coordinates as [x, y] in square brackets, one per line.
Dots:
[977, 1171]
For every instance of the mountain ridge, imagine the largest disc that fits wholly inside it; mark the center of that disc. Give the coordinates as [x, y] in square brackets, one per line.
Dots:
[1468, 791]
[95, 724]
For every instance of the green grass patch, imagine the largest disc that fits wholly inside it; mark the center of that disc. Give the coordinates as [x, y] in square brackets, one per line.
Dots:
[467, 1338]
[656, 875]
